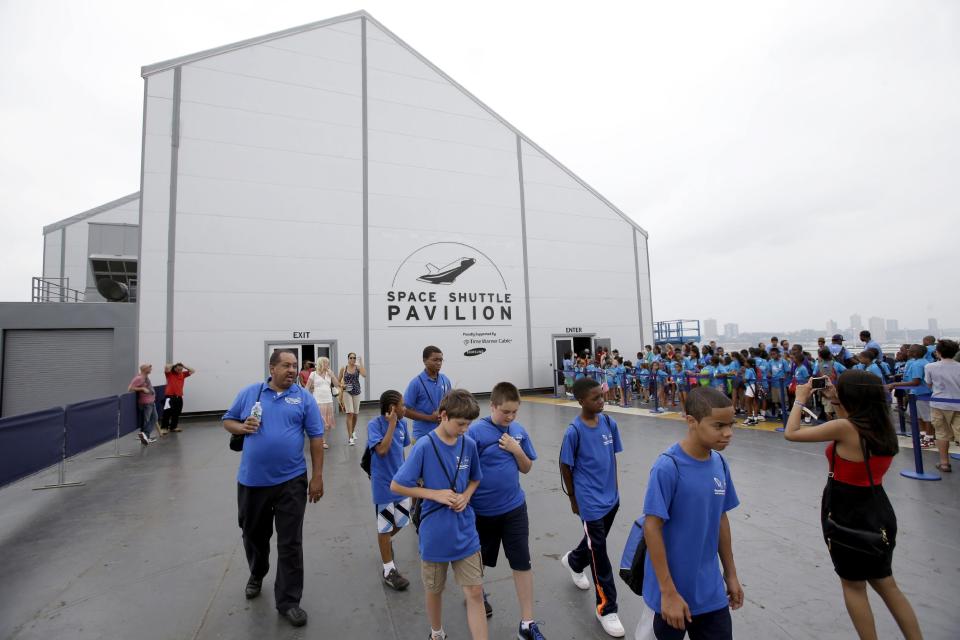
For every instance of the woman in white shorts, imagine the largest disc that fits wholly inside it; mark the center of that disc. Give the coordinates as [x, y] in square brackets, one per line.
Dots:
[350, 395]
[323, 386]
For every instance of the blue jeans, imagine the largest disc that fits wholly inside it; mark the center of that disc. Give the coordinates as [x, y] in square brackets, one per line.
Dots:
[148, 417]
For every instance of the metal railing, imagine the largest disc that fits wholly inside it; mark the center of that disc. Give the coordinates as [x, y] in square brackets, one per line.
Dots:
[53, 290]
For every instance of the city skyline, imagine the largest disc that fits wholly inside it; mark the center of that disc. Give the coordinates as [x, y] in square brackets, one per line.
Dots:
[879, 328]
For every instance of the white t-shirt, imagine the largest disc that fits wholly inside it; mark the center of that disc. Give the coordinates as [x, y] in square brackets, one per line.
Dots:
[943, 378]
[321, 387]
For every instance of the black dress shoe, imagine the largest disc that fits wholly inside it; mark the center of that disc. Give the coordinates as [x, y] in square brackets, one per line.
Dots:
[296, 616]
[253, 587]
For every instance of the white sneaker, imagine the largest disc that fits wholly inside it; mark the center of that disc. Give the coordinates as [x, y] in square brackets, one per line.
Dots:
[352, 441]
[579, 579]
[611, 624]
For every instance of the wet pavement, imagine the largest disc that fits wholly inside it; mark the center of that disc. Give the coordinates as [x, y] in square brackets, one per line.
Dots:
[149, 547]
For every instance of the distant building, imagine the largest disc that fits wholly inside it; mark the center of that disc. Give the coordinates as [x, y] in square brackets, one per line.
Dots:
[856, 323]
[892, 325]
[832, 327]
[933, 327]
[710, 329]
[877, 328]
[731, 330]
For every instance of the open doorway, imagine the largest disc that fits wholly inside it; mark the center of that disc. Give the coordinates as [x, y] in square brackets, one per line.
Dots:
[576, 345]
[305, 351]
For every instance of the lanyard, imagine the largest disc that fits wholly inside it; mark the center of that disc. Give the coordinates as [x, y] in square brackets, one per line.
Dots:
[440, 385]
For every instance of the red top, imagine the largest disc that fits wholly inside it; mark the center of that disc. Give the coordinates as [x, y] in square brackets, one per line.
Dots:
[855, 473]
[175, 383]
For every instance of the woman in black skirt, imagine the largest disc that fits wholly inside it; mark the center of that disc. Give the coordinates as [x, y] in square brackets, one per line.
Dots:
[859, 525]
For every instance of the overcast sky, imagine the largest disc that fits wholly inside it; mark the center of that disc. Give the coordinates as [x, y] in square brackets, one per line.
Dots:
[792, 161]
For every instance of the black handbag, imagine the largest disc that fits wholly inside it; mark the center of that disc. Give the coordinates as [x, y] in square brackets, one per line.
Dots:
[868, 541]
[236, 439]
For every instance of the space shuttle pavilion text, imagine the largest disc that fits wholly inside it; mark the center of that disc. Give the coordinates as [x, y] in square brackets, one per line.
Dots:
[427, 306]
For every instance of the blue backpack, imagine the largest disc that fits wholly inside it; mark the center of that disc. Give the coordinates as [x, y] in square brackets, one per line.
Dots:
[635, 550]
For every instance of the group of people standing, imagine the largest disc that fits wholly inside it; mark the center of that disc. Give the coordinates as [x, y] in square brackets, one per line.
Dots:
[460, 484]
[147, 415]
[343, 388]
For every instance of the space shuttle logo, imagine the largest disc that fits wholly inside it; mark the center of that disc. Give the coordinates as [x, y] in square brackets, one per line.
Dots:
[448, 284]
[447, 274]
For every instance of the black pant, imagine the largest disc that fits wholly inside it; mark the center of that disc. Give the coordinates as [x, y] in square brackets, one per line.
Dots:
[258, 508]
[714, 625]
[592, 551]
[171, 416]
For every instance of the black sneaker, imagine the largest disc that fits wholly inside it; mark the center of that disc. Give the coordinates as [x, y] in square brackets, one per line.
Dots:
[486, 605]
[395, 581]
[530, 633]
[295, 616]
[253, 587]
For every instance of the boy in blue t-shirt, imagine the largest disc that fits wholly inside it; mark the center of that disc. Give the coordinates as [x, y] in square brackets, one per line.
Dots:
[446, 460]
[588, 469]
[505, 451]
[387, 435]
[685, 526]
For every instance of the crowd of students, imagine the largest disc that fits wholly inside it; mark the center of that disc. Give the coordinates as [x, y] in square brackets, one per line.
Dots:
[460, 482]
[761, 381]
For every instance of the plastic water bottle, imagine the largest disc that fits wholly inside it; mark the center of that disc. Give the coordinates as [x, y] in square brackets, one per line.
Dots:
[257, 410]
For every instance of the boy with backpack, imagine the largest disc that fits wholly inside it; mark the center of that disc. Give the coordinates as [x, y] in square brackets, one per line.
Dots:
[387, 435]
[588, 469]
[446, 460]
[505, 451]
[685, 527]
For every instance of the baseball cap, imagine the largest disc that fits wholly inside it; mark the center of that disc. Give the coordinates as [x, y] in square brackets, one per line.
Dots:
[837, 337]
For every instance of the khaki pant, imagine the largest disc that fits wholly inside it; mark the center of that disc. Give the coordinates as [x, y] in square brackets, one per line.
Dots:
[468, 572]
[946, 423]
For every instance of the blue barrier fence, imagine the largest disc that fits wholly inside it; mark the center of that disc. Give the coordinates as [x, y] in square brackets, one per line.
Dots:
[32, 442]
[918, 473]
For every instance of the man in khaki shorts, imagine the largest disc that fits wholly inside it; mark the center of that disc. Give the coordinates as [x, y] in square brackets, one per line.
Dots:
[943, 378]
[448, 462]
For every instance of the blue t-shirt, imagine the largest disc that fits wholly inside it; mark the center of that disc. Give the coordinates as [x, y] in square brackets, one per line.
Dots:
[445, 535]
[500, 490]
[929, 357]
[915, 370]
[801, 374]
[749, 377]
[644, 376]
[763, 365]
[424, 394]
[590, 452]
[274, 454]
[690, 496]
[383, 468]
[873, 344]
[777, 369]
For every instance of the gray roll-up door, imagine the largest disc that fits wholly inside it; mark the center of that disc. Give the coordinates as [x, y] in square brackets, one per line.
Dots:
[51, 368]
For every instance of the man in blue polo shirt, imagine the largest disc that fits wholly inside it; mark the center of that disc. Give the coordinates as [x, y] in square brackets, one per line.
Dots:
[424, 393]
[272, 488]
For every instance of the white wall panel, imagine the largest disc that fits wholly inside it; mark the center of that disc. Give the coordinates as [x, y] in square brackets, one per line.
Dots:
[51, 253]
[581, 262]
[444, 186]
[269, 205]
[646, 301]
[155, 197]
